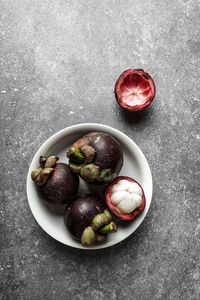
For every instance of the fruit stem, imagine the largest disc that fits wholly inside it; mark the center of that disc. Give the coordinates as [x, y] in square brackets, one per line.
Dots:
[100, 237]
[111, 227]
[75, 155]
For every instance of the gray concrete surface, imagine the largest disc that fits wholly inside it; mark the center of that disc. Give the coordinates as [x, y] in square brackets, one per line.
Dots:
[59, 61]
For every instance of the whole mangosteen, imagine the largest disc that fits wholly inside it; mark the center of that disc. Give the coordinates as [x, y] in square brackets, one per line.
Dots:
[88, 220]
[97, 157]
[81, 212]
[55, 181]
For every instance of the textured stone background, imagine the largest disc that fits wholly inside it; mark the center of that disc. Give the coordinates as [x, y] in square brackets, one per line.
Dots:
[59, 61]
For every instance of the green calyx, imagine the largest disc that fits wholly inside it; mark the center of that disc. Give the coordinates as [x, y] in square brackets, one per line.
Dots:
[108, 214]
[75, 155]
[75, 167]
[105, 175]
[101, 220]
[88, 237]
[111, 227]
[89, 153]
[89, 172]
[81, 156]
[41, 175]
[35, 173]
[51, 161]
[48, 162]
[97, 231]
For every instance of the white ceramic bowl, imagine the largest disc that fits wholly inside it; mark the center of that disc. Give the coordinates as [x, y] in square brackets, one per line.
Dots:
[135, 166]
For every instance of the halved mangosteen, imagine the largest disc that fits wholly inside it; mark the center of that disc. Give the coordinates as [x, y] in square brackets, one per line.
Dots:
[134, 90]
[125, 198]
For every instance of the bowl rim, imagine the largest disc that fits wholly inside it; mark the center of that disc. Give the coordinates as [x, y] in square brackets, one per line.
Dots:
[87, 126]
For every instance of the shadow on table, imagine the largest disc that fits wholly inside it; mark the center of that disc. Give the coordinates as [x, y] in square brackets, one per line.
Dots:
[137, 116]
[96, 255]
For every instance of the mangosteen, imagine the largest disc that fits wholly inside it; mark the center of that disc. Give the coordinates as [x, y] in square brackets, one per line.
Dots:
[125, 198]
[97, 157]
[134, 90]
[55, 181]
[88, 220]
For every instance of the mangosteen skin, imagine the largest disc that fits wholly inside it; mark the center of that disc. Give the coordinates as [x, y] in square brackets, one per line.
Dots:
[61, 186]
[108, 154]
[136, 82]
[81, 213]
[114, 209]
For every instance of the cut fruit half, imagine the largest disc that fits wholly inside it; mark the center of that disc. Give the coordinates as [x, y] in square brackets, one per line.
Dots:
[134, 89]
[125, 198]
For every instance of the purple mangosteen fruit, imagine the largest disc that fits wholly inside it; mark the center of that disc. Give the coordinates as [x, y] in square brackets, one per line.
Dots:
[55, 181]
[88, 220]
[97, 157]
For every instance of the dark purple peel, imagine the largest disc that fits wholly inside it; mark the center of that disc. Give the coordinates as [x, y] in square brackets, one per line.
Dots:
[101, 165]
[81, 213]
[108, 152]
[61, 186]
[55, 181]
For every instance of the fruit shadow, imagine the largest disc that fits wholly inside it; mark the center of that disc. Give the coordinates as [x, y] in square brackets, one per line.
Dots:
[85, 255]
[57, 210]
[53, 209]
[136, 116]
[95, 189]
[97, 256]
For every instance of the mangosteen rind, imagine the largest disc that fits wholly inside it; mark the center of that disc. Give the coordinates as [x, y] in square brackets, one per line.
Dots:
[56, 182]
[81, 212]
[61, 186]
[102, 152]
